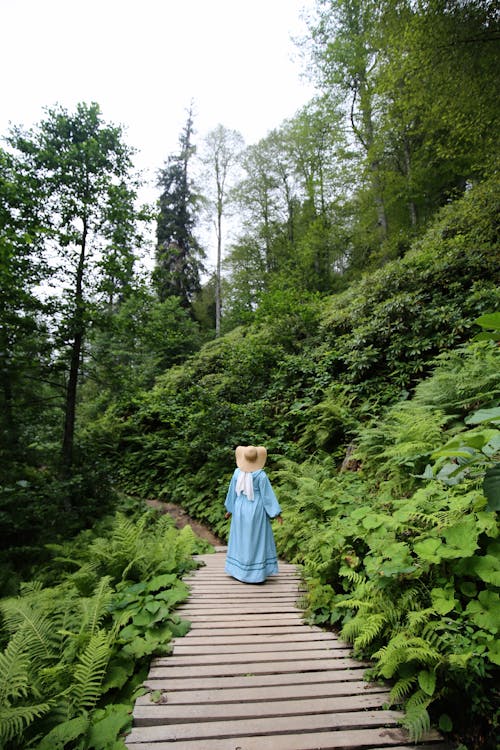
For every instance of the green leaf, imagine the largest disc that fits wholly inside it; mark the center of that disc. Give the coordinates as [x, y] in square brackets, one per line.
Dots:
[128, 632]
[429, 549]
[468, 589]
[462, 452]
[161, 582]
[427, 681]
[485, 611]
[116, 677]
[62, 734]
[489, 320]
[138, 648]
[443, 600]
[487, 568]
[179, 627]
[372, 521]
[107, 725]
[143, 619]
[461, 539]
[491, 487]
[493, 652]
[484, 415]
[445, 723]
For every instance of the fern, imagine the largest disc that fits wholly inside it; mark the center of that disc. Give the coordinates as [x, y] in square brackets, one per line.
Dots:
[34, 627]
[14, 671]
[416, 719]
[401, 649]
[400, 690]
[97, 607]
[351, 629]
[15, 719]
[371, 627]
[15, 685]
[89, 672]
[357, 579]
[418, 619]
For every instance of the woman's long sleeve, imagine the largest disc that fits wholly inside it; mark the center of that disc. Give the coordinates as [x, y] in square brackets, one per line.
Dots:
[231, 494]
[271, 504]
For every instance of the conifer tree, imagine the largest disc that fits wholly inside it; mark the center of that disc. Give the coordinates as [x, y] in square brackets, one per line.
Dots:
[178, 253]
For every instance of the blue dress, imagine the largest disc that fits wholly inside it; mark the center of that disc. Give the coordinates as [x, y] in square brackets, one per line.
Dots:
[251, 549]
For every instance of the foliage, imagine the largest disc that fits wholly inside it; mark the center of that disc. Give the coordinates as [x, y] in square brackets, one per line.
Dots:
[404, 561]
[415, 83]
[390, 325]
[308, 371]
[382, 425]
[77, 646]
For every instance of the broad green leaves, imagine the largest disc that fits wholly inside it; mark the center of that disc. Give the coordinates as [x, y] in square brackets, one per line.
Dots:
[74, 659]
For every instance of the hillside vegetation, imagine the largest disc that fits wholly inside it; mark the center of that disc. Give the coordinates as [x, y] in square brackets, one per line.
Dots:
[381, 416]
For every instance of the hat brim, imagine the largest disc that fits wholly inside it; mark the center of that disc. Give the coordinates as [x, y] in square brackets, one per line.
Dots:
[244, 464]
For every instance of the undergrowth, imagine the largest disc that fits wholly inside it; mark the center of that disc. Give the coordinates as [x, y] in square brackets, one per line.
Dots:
[77, 639]
[402, 555]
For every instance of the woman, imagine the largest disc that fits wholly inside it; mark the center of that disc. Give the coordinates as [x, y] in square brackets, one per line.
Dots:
[251, 550]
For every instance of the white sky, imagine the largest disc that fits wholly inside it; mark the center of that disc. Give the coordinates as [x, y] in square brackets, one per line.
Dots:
[144, 61]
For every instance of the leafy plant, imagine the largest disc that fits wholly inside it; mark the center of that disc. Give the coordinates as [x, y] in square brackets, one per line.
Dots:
[76, 652]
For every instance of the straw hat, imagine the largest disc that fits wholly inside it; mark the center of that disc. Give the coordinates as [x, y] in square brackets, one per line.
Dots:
[250, 457]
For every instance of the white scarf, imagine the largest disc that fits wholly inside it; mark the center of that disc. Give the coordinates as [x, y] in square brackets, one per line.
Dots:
[244, 483]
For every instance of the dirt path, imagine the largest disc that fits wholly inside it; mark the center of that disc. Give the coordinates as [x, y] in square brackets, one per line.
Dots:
[181, 519]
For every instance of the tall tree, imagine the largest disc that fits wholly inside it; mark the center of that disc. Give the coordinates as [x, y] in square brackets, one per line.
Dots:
[344, 57]
[78, 162]
[178, 252]
[439, 92]
[24, 360]
[222, 155]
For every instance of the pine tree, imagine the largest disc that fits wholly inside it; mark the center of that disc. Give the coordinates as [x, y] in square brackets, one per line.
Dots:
[178, 253]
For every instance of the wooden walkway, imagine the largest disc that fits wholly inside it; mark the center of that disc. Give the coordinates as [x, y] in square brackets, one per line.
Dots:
[250, 675]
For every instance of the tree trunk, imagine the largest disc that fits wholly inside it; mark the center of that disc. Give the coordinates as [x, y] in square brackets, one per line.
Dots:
[74, 368]
[366, 138]
[218, 293]
[411, 203]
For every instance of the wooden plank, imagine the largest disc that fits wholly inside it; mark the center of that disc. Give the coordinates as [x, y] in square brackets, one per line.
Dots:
[252, 657]
[231, 670]
[147, 712]
[290, 635]
[236, 647]
[210, 609]
[218, 595]
[337, 740]
[270, 618]
[248, 681]
[252, 634]
[262, 693]
[268, 726]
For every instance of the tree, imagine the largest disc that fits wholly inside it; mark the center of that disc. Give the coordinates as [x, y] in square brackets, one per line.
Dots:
[221, 157]
[439, 89]
[82, 172]
[24, 348]
[344, 57]
[420, 89]
[142, 338]
[291, 207]
[178, 253]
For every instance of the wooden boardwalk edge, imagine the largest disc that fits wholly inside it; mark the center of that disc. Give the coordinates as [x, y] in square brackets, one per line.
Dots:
[251, 675]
